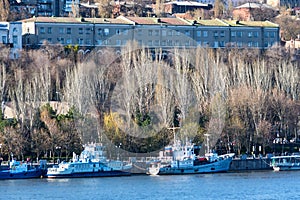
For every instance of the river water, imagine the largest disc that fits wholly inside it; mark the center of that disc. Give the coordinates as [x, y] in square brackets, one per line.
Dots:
[247, 185]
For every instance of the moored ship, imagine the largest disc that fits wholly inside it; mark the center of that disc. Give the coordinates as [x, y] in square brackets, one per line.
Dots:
[184, 161]
[23, 170]
[90, 163]
[286, 163]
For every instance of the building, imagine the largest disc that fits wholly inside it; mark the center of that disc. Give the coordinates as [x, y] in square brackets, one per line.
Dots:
[149, 32]
[185, 6]
[284, 3]
[11, 36]
[252, 11]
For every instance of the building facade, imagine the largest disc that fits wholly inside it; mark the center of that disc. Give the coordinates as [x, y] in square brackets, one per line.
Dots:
[11, 36]
[149, 32]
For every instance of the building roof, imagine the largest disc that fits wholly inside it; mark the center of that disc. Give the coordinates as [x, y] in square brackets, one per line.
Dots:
[251, 23]
[152, 21]
[209, 22]
[187, 3]
[158, 21]
[254, 5]
[76, 20]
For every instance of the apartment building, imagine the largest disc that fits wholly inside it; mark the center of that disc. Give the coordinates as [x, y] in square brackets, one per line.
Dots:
[11, 36]
[149, 32]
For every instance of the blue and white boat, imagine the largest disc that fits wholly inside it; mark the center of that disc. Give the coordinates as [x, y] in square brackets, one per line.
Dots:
[286, 163]
[184, 161]
[24, 170]
[91, 163]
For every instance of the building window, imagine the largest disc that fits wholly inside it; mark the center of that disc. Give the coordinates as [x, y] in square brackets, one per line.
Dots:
[169, 33]
[272, 34]
[118, 32]
[88, 41]
[216, 44]
[187, 33]
[199, 43]
[61, 30]
[187, 43]
[42, 30]
[156, 43]
[268, 44]
[255, 44]
[149, 42]
[149, 32]
[139, 32]
[222, 34]
[250, 44]
[169, 43]
[222, 43]
[216, 34]
[205, 44]
[15, 40]
[164, 33]
[61, 40]
[198, 33]
[250, 34]
[69, 41]
[4, 39]
[118, 42]
[41, 41]
[80, 41]
[99, 42]
[177, 43]
[205, 34]
[255, 34]
[69, 31]
[99, 31]
[49, 40]
[239, 34]
[88, 31]
[80, 30]
[239, 44]
[156, 32]
[125, 32]
[266, 34]
[49, 30]
[233, 34]
[163, 43]
[106, 31]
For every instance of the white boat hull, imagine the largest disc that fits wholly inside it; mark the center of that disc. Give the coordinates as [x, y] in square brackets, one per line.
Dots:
[214, 167]
[286, 168]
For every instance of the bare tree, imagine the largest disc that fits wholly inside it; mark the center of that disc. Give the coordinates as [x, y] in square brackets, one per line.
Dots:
[4, 10]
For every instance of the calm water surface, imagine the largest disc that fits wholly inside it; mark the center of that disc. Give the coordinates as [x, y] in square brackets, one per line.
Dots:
[247, 185]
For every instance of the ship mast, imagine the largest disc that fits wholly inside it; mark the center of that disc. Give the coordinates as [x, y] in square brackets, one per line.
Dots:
[174, 132]
[207, 142]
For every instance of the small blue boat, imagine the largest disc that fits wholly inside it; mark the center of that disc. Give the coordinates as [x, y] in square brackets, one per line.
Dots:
[23, 170]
